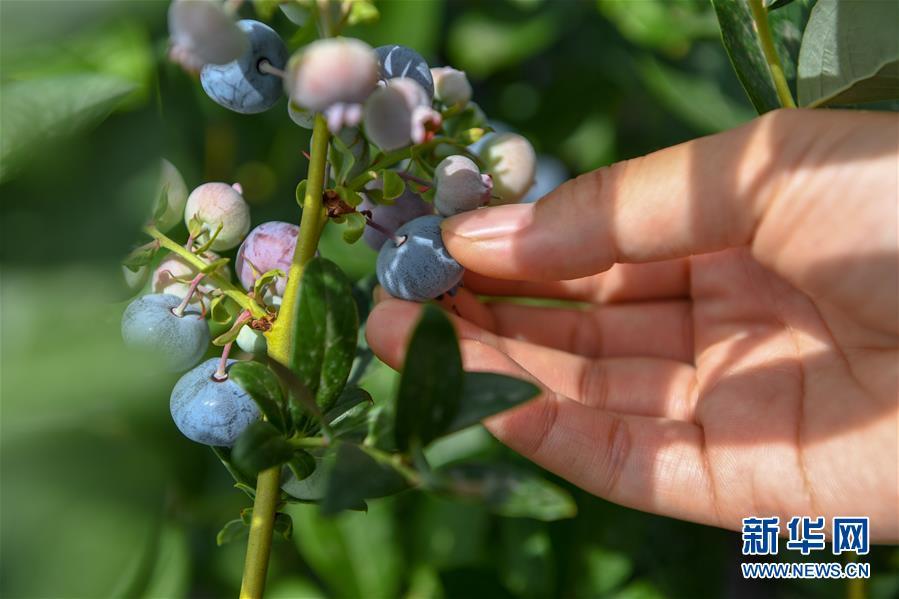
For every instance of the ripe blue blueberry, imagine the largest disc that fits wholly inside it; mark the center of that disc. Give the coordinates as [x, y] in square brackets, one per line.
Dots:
[416, 265]
[401, 61]
[241, 85]
[150, 323]
[460, 186]
[392, 216]
[211, 411]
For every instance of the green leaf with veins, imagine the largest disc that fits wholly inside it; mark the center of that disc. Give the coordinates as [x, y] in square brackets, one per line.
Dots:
[393, 185]
[356, 476]
[264, 387]
[850, 53]
[431, 384]
[259, 447]
[326, 326]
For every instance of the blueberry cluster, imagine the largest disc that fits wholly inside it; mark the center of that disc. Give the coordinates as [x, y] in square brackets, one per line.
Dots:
[400, 160]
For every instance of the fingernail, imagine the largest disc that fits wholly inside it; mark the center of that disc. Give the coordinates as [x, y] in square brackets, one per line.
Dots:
[489, 223]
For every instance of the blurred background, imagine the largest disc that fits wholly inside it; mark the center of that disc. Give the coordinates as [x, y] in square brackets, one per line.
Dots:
[100, 494]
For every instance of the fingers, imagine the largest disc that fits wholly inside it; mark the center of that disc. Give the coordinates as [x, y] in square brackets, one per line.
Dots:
[645, 386]
[651, 329]
[649, 464]
[667, 279]
[701, 196]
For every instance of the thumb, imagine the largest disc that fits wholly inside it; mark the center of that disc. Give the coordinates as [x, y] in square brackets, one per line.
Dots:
[700, 196]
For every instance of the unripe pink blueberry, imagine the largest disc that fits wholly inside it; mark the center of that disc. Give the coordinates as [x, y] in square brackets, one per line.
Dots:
[399, 114]
[202, 33]
[173, 276]
[172, 191]
[459, 186]
[268, 247]
[451, 86]
[215, 204]
[512, 162]
[332, 71]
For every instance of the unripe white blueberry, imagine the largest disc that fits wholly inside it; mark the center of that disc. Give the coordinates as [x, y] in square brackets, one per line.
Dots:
[512, 162]
[301, 116]
[251, 341]
[460, 186]
[202, 33]
[217, 204]
[173, 191]
[451, 86]
[135, 279]
[173, 276]
[399, 114]
[332, 71]
[269, 246]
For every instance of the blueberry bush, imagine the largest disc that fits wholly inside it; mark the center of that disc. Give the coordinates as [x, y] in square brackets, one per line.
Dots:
[303, 127]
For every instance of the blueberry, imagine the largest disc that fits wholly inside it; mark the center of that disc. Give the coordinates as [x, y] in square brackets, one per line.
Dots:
[240, 85]
[392, 216]
[332, 71]
[512, 162]
[399, 114]
[173, 276]
[268, 247]
[149, 323]
[210, 411]
[218, 204]
[451, 86]
[460, 186]
[203, 33]
[418, 268]
[401, 61]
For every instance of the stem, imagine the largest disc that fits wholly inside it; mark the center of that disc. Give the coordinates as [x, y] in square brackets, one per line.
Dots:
[270, 69]
[179, 310]
[307, 241]
[229, 289]
[221, 373]
[259, 544]
[760, 17]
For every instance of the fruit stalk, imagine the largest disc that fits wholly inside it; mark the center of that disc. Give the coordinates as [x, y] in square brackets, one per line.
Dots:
[268, 483]
[259, 543]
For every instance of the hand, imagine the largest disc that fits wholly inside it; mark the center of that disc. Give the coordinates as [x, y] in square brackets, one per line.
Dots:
[738, 348]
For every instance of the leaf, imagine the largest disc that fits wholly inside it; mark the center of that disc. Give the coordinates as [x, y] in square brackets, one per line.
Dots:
[302, 464]
[362, 12]
[218, 311]
[301, 192]
[349, 398]
[742, 45]
[259, 447]
[697, 100]
[233, 530]
[356, 476]
[264, 387]
[508, 491]
[775, 4]
[39, 111]
[268, 278]
[355, 227]
[485, 394]
[480, 45]
[849, 54]
[300, 403]
[393, 185]
[284, 525]
[349, 196]
[326, 326]
[141, 256]
[431, 383]
[265, 9]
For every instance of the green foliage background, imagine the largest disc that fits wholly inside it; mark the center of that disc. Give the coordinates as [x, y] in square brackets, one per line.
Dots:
[100, 494]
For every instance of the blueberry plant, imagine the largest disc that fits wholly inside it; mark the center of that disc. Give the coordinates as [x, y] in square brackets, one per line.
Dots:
[391, 155]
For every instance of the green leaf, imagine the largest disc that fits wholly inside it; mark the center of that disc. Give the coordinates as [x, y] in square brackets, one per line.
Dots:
[480, 45]
[302, 464]
[233, 530]
[850, 53]
[264, 387]
[284, 525]
[349, 196]
[775, 4]
[393, 185]
[259, 447]
[218, 310]
[39, 111]
[742, 45]
[349, 398]
[661, 24]
[267, 278]
[432, 380]
[697, 100]
[324, 340]
[485, 394]
[265, 9]
[141, 256]
[508, 491]
[355, 227]
[356, 476]
[301, 192]
[362, 12]
[300, 402]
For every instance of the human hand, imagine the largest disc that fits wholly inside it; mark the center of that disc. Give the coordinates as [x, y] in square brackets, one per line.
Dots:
[738, 354]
